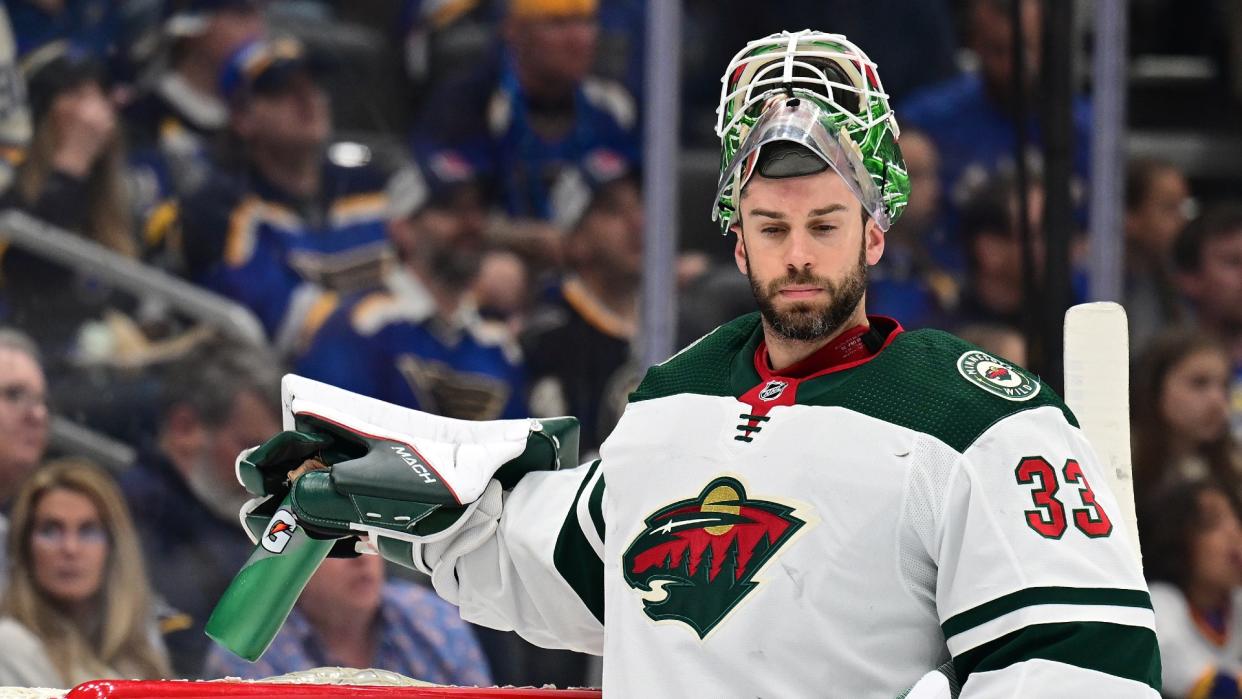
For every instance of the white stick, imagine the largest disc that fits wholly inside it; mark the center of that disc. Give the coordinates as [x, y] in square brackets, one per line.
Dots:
[1097, 390]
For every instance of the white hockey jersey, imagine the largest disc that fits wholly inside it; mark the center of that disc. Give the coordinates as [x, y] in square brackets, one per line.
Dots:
[752, 535]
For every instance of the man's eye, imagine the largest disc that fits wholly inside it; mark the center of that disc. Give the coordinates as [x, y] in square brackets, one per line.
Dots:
[825, 228]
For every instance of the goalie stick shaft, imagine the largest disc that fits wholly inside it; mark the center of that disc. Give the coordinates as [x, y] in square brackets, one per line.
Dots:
[1097, 390]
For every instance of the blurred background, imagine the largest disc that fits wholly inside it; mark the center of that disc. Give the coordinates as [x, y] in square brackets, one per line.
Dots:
[501, 208]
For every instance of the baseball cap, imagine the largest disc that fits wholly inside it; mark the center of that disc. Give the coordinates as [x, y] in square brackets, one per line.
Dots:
[265, 66]
[190, 17]
[532, 9]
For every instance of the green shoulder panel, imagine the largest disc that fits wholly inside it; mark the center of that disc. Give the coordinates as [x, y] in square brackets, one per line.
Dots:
[938, 384]
[706, 367]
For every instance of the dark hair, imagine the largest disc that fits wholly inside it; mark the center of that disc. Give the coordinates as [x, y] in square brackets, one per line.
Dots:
[1140, 173]
[1220, 221]
[989, 210]
[1150, 431]
[1168, 521]
[210, 379]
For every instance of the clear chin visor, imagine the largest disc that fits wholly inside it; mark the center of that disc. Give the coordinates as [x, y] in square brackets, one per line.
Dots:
[799, 120]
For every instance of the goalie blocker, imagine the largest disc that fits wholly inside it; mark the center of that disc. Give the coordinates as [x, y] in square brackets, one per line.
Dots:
[347, 466]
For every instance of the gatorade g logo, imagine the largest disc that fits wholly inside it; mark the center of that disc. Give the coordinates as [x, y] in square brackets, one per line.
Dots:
[279, 531]
[697, 558]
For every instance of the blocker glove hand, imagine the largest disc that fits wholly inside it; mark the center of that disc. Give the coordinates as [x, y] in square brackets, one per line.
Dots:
[396, 474]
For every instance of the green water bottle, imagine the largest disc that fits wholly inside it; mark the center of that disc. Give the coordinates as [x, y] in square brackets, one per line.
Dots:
[259, 599]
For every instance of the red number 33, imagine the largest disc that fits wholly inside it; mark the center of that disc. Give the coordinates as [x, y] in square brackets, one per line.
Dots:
[1048, 518]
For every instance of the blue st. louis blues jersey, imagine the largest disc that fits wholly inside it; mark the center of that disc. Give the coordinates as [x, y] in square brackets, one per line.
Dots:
[389, 345]
[486, 124]
[247, 240]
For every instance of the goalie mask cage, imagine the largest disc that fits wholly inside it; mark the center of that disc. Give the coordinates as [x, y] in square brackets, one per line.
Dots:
[183, 689]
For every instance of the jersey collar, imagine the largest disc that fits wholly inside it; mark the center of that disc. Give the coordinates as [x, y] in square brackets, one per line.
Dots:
[854, 347]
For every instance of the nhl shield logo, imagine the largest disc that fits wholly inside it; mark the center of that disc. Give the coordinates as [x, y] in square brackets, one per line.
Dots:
[696, 559]
[773, 390]
[996, 377]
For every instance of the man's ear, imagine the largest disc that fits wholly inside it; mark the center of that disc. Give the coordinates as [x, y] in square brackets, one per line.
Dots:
[874, 242]
[739, 249]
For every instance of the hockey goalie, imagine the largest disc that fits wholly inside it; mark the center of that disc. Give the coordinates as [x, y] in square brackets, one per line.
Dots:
[807, 502]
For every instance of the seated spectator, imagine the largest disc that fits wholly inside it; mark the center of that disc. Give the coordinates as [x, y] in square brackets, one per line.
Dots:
[535, 124]
[71, 177]
[907, 284]
[1180, 413]
[419, 342]
[1192, 557]
[1158, 207]
[578, 348]
[174, 124]
[503, 289]
[184, 493]
[77, 603]
[95, 24]
[1208, 258]
[993, 293]
[970, 117]
[23, 419]
[998, 340]
[290, 221]
[350, 616]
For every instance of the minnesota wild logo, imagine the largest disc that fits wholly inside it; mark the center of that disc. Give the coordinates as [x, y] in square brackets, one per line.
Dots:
[996, 377]
[697, 558]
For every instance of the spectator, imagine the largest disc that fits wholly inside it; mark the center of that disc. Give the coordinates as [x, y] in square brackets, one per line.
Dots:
[23, 419]
[77, 605]
[23, 412]
[184, 494]
[993, 292]
[970, 117]
[535, 123]
[290, 221]
[350, 616]
[71, 177]
[1208, 258]
[503, 289]
[94, 24]
[907, 284]
[1180, 413]
[1158, 207]
[420, 342]
[998, 340]
[173, 125]
[580, 344]
[1192, 556]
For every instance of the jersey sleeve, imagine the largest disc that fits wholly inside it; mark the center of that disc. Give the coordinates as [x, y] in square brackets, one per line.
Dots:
[1036, 588]
[542, 573]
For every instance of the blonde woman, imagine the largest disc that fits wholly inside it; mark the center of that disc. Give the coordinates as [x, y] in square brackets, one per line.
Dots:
[76, 605]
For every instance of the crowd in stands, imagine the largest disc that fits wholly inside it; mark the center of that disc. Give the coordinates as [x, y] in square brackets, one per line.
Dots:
[457, 226]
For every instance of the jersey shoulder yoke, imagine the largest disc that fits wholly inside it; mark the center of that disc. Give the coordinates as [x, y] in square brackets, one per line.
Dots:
[704, 367]
[938, 384]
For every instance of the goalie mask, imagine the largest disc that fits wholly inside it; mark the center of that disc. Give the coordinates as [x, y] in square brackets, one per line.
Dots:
[822, 96]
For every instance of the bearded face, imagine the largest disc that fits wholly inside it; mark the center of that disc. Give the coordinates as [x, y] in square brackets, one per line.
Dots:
[814, 318]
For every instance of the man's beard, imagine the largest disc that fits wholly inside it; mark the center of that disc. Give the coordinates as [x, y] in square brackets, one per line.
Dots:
[804, 322]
